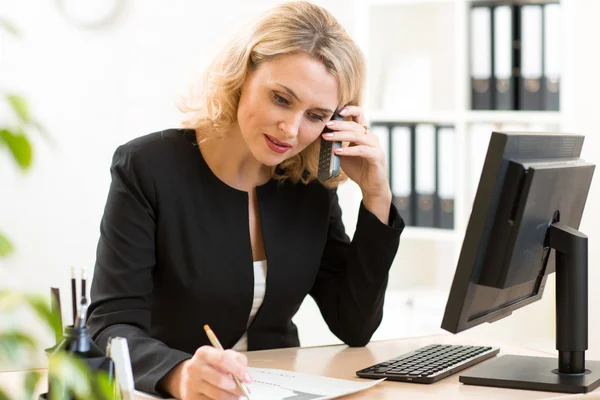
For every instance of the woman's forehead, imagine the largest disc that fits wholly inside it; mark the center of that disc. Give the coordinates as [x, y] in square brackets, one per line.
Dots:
[304, 75]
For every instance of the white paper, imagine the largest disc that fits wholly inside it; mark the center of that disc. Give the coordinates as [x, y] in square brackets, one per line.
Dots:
[145, 396]
[277, 384]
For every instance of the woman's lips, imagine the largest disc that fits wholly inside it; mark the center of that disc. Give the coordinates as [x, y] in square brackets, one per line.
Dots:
[276, 145]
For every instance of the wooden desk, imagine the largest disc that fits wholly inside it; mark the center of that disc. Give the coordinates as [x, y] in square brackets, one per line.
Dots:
[343, 362]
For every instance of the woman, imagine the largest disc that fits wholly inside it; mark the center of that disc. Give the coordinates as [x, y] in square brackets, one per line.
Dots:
[223, 223]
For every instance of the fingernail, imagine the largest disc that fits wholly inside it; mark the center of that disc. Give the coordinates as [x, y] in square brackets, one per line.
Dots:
[330, 123]
[248, 378]
[328, 135]
[344, 111]
[243, 398]
[338, 150]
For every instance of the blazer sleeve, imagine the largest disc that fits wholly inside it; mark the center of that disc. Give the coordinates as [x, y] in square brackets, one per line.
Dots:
[123, 271]
[351, 282]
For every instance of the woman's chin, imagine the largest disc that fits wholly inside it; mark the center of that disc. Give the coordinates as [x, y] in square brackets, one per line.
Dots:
[272, 159]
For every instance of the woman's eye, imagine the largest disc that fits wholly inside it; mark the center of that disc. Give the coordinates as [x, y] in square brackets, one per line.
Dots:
[280, 100]
[317, 117]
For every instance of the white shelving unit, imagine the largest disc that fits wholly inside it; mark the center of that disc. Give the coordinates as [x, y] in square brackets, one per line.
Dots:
[425, 43]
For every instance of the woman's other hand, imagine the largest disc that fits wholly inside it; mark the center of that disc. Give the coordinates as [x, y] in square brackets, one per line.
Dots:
[208, 375]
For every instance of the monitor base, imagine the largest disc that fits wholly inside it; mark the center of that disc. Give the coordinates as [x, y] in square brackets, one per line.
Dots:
[532, 373]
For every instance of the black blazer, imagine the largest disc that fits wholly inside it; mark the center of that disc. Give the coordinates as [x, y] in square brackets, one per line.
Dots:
[174, 254]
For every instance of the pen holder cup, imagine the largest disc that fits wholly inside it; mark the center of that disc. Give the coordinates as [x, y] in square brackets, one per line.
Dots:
[76, 342]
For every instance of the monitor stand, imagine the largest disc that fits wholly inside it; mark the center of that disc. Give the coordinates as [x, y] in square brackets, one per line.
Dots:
[571, 374]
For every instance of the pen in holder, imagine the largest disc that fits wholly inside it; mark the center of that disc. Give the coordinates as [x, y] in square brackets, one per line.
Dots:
[76, 341]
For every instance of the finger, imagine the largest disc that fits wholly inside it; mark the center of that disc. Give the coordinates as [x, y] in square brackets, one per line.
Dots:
[355, 112]
[227, 360]
[345, 126]
[371, 154]
[241, 358]
[213, 392]
[218, 379]
[353, 137]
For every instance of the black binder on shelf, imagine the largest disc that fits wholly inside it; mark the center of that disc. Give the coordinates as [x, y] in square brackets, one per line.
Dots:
[481, 58]
[425, 175]
[551, 40]
[531, 57]
[402, 170]
[445, 151]
[504, 61]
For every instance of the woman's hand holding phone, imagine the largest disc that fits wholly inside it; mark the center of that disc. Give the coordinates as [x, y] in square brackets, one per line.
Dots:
[363, 160]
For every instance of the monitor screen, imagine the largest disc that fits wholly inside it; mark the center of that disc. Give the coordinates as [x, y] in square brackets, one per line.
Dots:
[528, 182]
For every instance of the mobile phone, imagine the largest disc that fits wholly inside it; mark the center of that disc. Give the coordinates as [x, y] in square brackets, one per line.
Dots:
[329, 162]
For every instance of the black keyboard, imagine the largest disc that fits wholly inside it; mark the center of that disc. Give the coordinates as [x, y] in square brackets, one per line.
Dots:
[429, 364]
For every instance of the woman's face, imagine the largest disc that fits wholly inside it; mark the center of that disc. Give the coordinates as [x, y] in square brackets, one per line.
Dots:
[284, 106]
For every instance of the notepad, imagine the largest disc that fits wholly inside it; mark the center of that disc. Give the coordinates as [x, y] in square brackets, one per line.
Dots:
[277, 384]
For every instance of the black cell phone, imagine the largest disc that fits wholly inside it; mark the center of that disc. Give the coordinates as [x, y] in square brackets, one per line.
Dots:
[329, 162]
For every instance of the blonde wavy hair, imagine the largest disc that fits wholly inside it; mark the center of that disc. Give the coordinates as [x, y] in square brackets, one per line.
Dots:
[289, 28]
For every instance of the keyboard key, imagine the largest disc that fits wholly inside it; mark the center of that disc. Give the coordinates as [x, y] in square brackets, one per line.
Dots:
[395, 373]
[430, 347]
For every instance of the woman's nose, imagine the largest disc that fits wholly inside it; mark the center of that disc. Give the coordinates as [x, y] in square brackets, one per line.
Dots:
[290, 126]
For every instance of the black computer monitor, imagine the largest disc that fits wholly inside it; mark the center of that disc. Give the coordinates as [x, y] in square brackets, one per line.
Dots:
[523, 226]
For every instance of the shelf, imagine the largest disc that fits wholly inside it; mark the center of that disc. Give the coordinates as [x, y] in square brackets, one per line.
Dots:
[526, 117]
[470, 117]
[432, 234]
[438, 118]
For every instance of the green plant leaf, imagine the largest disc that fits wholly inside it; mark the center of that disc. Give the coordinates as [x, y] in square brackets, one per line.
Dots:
[20, 106]
[6, 246]
[104, 387]
[19, 146]
[56, 388]
[43, 311]
[31, 381]
[10, 28]
[3, 395]
[71, 373]
[13, 343]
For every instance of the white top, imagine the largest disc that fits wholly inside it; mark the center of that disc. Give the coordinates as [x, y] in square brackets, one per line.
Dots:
[260, 283]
